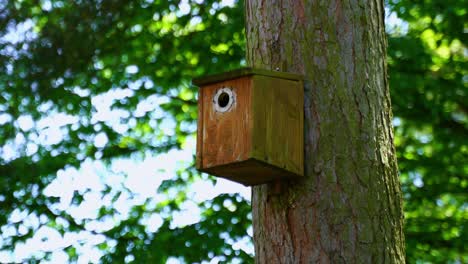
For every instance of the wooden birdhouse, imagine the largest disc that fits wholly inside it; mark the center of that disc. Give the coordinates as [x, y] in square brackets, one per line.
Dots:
[250, 125]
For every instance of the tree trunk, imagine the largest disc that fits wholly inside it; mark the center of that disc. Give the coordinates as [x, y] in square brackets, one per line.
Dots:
[348, 207]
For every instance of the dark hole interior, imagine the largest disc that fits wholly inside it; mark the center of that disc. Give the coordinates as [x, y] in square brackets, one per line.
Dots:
[223, 99]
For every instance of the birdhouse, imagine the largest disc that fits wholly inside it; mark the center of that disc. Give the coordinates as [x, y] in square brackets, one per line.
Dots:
[250, 125]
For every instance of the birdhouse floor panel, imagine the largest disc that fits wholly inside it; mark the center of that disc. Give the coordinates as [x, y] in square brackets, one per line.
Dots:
[250, 172]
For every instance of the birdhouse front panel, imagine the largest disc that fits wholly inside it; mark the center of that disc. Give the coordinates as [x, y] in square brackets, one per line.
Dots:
[227, 123]
[250, 126]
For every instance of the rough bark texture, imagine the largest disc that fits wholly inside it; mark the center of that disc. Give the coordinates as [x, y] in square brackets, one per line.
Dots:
[348, 209]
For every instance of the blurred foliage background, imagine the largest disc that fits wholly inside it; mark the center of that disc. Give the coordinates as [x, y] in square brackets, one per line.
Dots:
[106, 81]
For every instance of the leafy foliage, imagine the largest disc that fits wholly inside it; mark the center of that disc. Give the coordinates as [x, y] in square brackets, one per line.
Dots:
[71, 57]
[64, 58]
[428, 71]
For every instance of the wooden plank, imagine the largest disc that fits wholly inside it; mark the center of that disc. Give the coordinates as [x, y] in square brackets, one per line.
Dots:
[227, 135]
[199, 152]
[244, 72]
[250, 172]
[278, 123]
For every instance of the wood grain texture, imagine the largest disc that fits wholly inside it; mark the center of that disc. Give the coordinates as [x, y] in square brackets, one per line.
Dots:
[260, 138]
[227, 135]
[243, 72]
[199, 152]
[278, 127]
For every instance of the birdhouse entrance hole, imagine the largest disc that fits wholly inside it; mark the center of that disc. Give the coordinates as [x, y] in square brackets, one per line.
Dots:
[223, 99]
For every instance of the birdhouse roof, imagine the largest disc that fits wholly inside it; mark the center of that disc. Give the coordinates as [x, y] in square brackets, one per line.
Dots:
[204, 80]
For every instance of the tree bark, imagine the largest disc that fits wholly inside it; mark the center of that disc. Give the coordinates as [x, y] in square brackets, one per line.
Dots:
[348, 207]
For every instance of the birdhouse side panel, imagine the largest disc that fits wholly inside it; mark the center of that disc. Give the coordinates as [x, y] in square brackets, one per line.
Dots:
[198, 157]
[227, 122]
[278, 123]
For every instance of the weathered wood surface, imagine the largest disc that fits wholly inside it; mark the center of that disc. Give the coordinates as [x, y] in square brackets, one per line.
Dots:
[250, 172]
[199, 152]
[227, 135]
[278, 128]
[260, 138]
[244, 72]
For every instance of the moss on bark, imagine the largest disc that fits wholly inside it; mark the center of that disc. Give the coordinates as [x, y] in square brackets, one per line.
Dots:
[348, 209]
